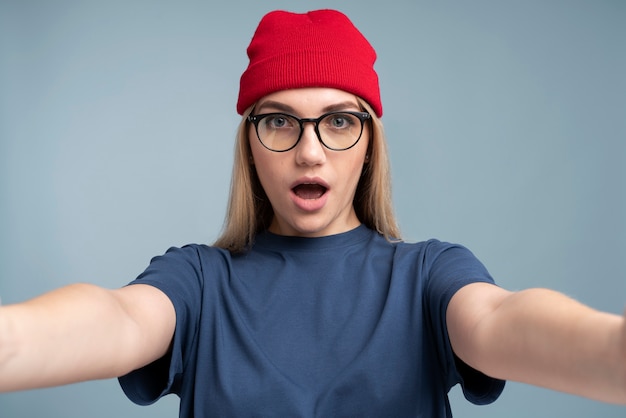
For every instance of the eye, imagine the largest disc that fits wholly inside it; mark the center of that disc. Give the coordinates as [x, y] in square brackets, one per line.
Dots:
[341, 120]
[278, 121]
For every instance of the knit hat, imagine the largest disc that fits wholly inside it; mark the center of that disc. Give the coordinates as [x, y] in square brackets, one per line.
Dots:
[321, 48]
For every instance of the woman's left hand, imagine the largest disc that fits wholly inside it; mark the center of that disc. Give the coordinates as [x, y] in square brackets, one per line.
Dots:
[623, 344]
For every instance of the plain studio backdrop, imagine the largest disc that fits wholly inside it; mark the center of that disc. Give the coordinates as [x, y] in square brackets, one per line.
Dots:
[506, 124]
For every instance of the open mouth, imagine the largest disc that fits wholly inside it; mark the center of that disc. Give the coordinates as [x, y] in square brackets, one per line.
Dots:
[309, 190]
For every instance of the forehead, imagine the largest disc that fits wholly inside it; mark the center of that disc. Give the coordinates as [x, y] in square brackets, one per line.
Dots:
[309, 100]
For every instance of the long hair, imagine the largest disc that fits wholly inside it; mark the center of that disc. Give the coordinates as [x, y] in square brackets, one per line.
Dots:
[250, 211]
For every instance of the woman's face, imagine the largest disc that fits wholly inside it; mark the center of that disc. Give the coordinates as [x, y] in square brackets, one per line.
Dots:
[310, 187]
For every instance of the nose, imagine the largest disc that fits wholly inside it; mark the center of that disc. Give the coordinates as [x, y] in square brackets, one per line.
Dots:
[310, 150]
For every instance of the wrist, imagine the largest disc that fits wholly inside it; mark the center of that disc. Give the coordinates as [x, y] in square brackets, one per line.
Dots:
[622, 361]
[10, 349]
[4, 345]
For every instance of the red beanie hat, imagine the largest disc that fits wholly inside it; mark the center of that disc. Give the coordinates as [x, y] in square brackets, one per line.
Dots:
[320, 48]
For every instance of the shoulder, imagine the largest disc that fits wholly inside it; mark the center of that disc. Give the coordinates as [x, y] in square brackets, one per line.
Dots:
[445, 266]
[192, 254]
[187, 264]
[432, 250]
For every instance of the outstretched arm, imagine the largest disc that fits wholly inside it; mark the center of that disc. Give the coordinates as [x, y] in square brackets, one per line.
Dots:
[82, 332]
[540, 337]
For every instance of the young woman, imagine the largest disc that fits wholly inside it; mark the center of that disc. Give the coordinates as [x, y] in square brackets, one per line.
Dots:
[310, 304]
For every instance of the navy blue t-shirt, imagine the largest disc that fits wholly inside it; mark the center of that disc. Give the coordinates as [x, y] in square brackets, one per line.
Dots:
[340, 326]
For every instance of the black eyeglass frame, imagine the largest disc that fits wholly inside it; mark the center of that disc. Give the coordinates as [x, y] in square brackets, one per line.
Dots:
[362, 116]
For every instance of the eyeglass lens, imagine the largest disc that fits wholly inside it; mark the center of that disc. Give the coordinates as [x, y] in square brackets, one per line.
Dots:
[281, 132]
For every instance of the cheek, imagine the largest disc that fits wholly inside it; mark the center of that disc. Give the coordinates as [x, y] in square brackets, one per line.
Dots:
[257, 154]
[267, 169]
[353, 167]
[348, 174]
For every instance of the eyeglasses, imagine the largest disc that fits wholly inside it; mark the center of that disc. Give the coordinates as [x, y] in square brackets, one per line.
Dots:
[337, 131]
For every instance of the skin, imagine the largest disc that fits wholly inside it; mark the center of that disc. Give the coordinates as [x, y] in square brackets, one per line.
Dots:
[537, 336]
[540, 337]
[310, 161]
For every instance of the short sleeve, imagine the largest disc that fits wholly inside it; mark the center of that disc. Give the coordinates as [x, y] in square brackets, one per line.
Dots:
[453, 267]
[178, 273]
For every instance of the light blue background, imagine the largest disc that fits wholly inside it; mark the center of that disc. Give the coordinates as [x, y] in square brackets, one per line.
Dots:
[506, 124]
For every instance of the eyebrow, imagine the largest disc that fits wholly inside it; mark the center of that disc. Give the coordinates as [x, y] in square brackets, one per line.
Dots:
[282, 107]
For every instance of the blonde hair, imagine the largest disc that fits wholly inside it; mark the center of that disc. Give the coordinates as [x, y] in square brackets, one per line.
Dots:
[250, 211]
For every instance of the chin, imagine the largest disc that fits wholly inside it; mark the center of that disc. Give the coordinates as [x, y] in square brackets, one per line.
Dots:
[305, 228]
